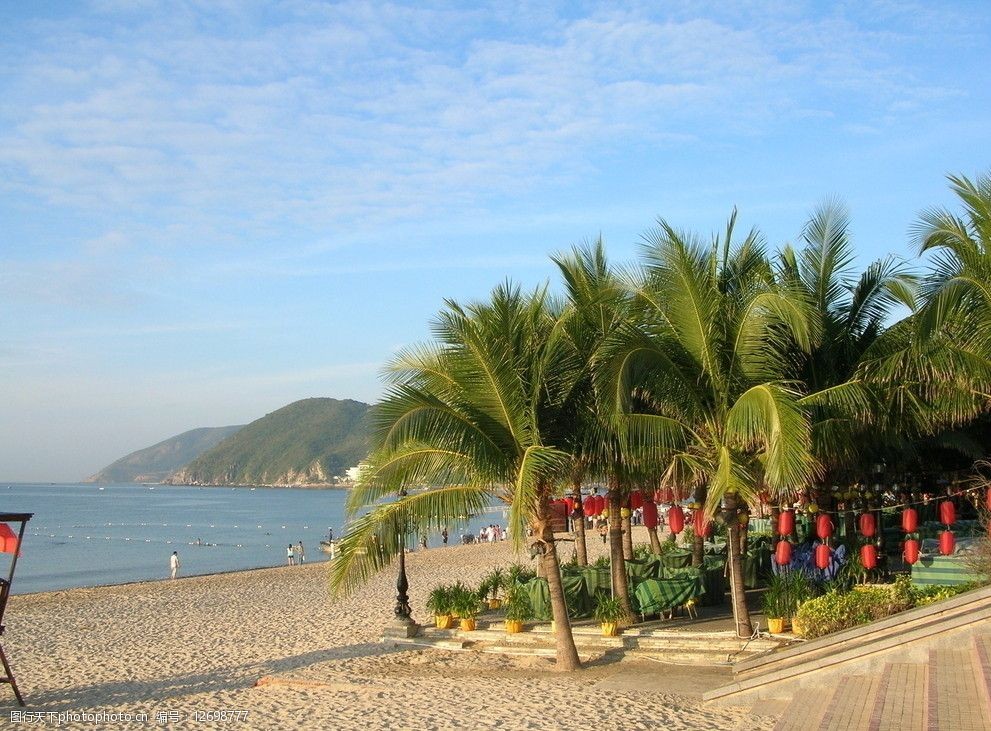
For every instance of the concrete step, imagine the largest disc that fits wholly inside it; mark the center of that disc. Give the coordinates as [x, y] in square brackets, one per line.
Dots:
[956, 699]
[902, 698]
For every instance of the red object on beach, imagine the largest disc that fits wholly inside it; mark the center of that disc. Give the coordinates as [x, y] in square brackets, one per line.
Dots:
[676, 519]
[8, 539]
[823, 556]
[786, 522]
[600, 504]
[910, 520]
[911, 551]
[650, 514]
[636, 500]
[782, 553]
[947, 543]
[570, 503]
[868, 556]
[587, 505]
[824, 526]
[947, 512]
[868, 527]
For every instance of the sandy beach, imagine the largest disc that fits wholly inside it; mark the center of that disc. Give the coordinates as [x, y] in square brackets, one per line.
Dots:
[188, 654]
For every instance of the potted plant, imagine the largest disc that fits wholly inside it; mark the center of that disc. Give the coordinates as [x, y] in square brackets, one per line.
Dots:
[439, 602]
[774, 606]
[457, 590]
[467, 606]
[608, 612]
[518, 609]
[488, 590]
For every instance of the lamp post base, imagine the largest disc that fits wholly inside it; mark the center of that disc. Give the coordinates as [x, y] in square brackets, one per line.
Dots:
[401, 628]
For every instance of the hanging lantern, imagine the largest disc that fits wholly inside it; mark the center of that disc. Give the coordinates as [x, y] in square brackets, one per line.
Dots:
[8, 539]
[782, 553]
[786, 522]
[702, 526]
[569, 503]
[947, 512]
[947, 543]
[588, 505]
[911, 551]
[824, 526]
[823, 556]
[667, 495]
[636, 499]
[624, 513]
[867, 525]
[600, 504]
[812, 508]
[868, 556]
[910, 520]
[650, 515]
[676, 519]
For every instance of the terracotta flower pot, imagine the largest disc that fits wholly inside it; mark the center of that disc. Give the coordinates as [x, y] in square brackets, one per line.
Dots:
[513, 626]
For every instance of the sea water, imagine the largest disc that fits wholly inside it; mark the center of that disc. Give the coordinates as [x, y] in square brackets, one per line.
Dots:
[90, 535]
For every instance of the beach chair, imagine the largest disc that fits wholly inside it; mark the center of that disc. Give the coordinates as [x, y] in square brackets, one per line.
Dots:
[10, 544]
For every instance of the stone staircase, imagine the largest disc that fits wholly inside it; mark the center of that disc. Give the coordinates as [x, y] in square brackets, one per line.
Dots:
[645, 641]
[927, 668]
[951, 691]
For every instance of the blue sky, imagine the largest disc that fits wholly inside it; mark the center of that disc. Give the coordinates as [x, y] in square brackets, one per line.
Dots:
[211, 209]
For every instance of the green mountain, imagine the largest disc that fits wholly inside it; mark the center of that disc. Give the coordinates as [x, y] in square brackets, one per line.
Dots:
[308, 442]
[157, 462]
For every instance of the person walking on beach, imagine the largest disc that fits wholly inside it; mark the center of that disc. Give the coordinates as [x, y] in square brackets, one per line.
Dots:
[443, 535]
[174, 564]
[290, 558]
[302, 553]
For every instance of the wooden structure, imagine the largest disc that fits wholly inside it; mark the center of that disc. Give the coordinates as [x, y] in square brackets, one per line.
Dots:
[13, 547]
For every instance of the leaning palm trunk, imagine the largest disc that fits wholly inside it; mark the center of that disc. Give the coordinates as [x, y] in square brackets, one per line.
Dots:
[620, 586]
[627, 537]
[566, 652]
[578, 524]
[738, 591]
[655, 541]
[698, 540]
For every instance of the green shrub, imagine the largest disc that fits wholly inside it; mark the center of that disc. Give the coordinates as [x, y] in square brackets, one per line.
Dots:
[519, 574]
[607, 609]
[518, 605]
[642, 551]
[602, 562]
[838, 610]
[925, 595]
[491, 584]
[440, 600]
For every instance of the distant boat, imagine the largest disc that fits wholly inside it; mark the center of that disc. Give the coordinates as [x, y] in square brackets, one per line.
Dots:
[101, 488]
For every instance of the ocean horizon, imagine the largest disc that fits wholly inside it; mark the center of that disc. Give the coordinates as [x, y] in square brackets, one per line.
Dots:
[86, 534]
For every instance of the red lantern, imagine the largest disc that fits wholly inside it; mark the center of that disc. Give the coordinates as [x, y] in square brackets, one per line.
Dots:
[667, 495]
[910, 520]
[600, 504]
[947, 543]
[587, 505]
[868, 556]
[650, 515]
[702, 526]
[636, 500]
[8, 539]
[570, 503]
[786, 522]
[782, 553]
[824, 526]
[676, 519]
[947, 512]
[823, 556]
[911, 551]
[867, 525]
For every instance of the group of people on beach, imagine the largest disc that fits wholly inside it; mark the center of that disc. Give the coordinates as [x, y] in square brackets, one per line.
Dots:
[295, 554]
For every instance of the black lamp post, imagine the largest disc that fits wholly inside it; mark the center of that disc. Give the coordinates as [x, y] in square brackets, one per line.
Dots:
[404, 622]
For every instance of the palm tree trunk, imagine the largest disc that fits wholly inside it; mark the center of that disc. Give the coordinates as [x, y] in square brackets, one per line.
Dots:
[655, 541]
[578, 524]
[617, 563]
[698, 541]
[566, 652]
[738, 591]
[627, 537]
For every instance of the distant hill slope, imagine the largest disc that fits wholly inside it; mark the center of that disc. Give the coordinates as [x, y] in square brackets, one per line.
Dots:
[306, 442]
[155, 463]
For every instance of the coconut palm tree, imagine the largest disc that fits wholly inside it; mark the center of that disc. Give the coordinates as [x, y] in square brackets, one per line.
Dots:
[476, 415]
[598, 304]
[701, 376]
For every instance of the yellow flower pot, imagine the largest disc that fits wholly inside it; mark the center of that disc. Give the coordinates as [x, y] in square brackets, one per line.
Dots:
[495, 603]
[444, 621]
[796, 626]
[610, 629]
[467, 625]
[776, 625]
[513, 626]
